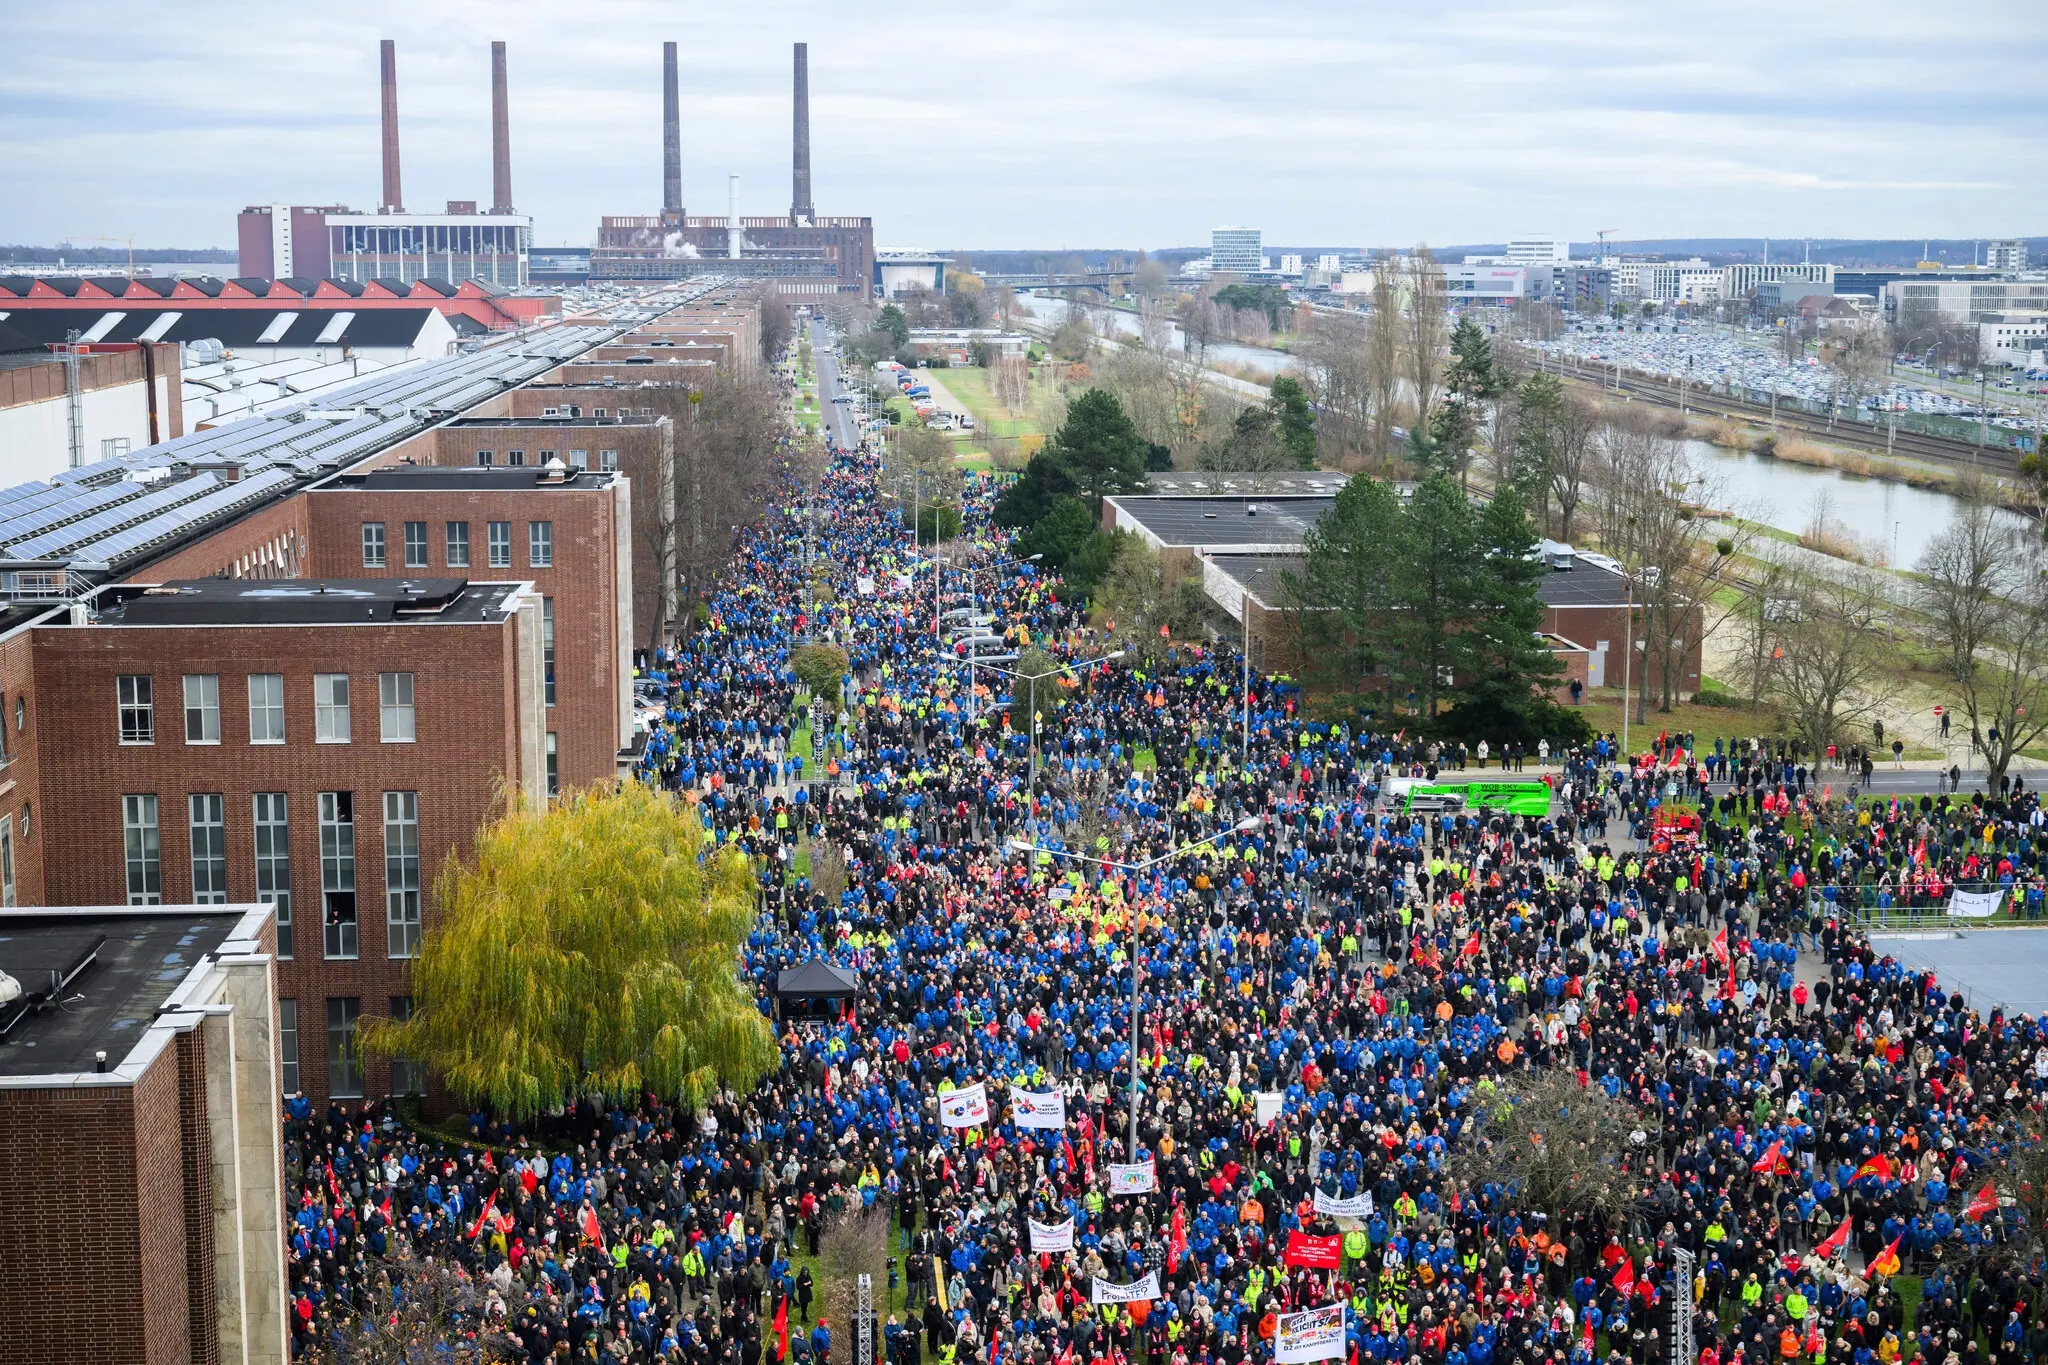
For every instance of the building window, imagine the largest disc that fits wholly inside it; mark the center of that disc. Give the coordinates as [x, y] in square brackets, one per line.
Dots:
[408, 1074]
[546, 458]
[540, 545]
[274, 863]
[554, 768]
[394, 707]
[344, 1064]
[550, 412]
[402, 871]
[515, 457]
[498, 543]
[288, 1045]
[202, 708]
[485, 459]
[139, 840]
[373, 544]
[415, 545]
[608, 460]
[579, 459]
[330, 708]
[338, 872]
[266, 708]
[547, 650]
[137, 692]
[597, 412]
[458, 544]
[209, 848]
[6, 860]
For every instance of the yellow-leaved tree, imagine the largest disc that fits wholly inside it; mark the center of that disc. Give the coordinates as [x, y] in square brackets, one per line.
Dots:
[590, 948]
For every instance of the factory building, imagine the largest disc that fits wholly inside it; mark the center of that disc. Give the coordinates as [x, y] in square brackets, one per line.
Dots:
[806, 256]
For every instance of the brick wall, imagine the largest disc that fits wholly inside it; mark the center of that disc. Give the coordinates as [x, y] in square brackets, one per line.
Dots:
[195, 1161]
[271, 542]
[21, 719]
[467, 723]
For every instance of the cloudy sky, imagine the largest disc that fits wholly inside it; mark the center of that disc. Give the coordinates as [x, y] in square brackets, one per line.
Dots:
[1057, 123]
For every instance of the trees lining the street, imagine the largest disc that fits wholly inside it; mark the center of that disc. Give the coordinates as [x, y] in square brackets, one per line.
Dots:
[1983, 591]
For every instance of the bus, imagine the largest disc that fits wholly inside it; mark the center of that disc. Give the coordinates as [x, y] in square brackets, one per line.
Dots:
[1515, 798]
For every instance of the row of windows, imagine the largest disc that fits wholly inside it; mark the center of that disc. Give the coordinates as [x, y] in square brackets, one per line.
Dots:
[607, 460]
[540, 544]
[344, 1062]
[206, 814]
[135, 702]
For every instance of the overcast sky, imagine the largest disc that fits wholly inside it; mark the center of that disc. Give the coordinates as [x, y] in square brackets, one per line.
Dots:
[1054, 123]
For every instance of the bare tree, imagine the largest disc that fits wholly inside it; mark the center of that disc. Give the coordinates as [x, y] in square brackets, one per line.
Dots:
[414, 1310]
[1428, 330]
[853, 1243]
[727, 434]
[1831, 670]
[1571, 459]
[1383, 364]
[1010, 381]
[1984, 591]
[1566, 1148]
[1333, 356]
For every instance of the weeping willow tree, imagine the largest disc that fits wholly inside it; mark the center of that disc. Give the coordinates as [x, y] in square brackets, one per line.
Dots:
[591, 948]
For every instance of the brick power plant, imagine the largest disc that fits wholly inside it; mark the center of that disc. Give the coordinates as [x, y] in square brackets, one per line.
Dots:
[806, 256]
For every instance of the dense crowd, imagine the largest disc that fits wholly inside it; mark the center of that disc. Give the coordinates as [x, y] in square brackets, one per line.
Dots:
[1374, 976]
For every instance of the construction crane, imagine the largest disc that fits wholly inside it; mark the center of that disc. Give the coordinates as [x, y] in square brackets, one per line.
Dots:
[129, 242]
[1603, 234]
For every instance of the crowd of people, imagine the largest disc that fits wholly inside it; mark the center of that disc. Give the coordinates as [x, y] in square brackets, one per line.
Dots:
[1329, 992]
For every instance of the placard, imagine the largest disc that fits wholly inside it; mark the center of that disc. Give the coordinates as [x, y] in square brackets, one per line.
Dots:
[1317, 1334]
[1138, 1291]
[966, 1107]
[1137, 1179]
[1030, 1109]
[1051, 1236]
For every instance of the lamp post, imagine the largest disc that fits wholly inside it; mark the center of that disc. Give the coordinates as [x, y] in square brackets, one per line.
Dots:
[1031, 737]
[1248, 825]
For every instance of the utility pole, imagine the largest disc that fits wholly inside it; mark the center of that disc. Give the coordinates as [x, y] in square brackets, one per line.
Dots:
[74, 398]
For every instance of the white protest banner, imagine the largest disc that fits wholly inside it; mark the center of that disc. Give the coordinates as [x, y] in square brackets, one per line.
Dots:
[1974, 904]
[1051, 1236]
[966, 1107]
[1317, 1334]
[864, 585]
[1137, 1291]
[1132, 1179]
[1358, 1206]
[1032, 1110]
[1268, 1102]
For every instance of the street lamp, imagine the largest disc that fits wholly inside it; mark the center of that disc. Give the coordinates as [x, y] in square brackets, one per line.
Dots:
[1031, 740]
[1250, 824]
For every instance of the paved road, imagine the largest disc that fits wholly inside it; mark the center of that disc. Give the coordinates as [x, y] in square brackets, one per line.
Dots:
[837, 419]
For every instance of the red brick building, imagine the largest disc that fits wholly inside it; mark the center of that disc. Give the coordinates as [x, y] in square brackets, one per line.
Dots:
[141, 1179]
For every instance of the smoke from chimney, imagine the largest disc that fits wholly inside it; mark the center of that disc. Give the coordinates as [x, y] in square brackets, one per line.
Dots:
[671, 136]
[733, 236]
[394, 202]
[501, 135]
[800, 151]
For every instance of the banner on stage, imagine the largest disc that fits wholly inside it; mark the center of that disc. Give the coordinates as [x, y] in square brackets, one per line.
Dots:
[1136, 1179]
[1137, 1291]
[1975, 904]
[1051, 1236]
[1268, 1102]
[1030, 1109]
[966, 1107]
[1358, 1206]
[1324, 1253]
[1317, 1334]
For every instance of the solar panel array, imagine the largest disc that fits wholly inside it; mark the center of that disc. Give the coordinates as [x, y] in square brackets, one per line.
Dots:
[133, 505]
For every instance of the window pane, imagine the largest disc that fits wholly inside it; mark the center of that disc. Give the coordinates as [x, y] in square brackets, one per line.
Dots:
[202, 708]
[395, 707]
[547, 650]
[540, 544]
[288, 1045]
[408, 1075]
[485, 459]
[373, 544]
[458, 544]
[498, 536]
[338, 872]
[344, 1065]
[402, 871]
[274, 863]
[136, 694]
[266, 708]
[209, 849]
[330, 708]
[139, 844]
[554, 773]
[415, 545]
[6, 860]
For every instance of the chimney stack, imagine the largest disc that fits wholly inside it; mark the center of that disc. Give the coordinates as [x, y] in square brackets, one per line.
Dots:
[671, 137]
[501, 135]
[800, 151]
[393, 201]
[732, 223]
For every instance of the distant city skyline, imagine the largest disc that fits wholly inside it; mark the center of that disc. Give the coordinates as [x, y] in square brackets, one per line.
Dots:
[1447, 122]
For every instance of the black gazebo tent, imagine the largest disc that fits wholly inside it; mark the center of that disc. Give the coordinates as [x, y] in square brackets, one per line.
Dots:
[814, 980]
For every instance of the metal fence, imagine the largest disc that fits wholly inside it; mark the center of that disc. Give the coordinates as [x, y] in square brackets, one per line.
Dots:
[1885, 909]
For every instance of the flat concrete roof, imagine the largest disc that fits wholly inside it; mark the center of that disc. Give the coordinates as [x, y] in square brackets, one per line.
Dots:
[1260, 575]
[1217, 522]
[1992, 967]
[113, 973]
[1583, 585]
[303, 602]
[1194, 482]
[414, 478]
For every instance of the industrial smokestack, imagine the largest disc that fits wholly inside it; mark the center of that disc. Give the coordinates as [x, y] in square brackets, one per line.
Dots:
[394, 201]
[800, 148]
[501, 135]
[732, 223]
[671, 136]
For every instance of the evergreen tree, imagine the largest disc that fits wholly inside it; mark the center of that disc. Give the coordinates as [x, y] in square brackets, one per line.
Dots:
[1539, 431]
[1297, 420]
[1347, 593]
[892, 323]
[1471, 374]
[1435, 589]
[1098, 449]
[1502, 652]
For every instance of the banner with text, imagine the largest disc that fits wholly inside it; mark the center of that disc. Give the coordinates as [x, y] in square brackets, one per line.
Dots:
[1317, 1334]
[1142, 1291]
[1357, 1206]
[1324, 1253]
[1268, 1102]
[1131, 1179]
[1032, 1110]
[1051, 1236]
[1974, 904]
[966, 1107]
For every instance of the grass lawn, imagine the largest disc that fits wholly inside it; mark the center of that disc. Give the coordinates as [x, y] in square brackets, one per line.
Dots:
[1708, 723]
[970, 384]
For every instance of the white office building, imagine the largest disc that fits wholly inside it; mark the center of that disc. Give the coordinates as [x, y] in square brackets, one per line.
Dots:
[1739, 281]
[1236, 249]
[2006, 255]
[1290, 263]
[1537, 251]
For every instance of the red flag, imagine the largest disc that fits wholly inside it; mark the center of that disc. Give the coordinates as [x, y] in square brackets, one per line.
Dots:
[1887, 1262]
[1982, 1202]
[1879, 1166]
[1837, 1239]
[782, 1328]
[1589, 1332]
[1768, 1163]
[1325, 1253]
[1177, 1240]
[1721, 946]
[478, 1226]
[333, 1185]
[590, 1228]
[385, 1208]
[1625, 1278]
[1471, 948]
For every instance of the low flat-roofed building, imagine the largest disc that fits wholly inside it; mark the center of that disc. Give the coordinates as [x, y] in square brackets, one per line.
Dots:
[141, 1172]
